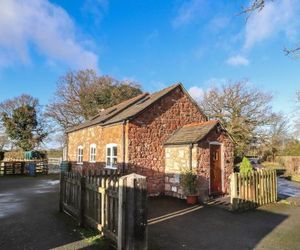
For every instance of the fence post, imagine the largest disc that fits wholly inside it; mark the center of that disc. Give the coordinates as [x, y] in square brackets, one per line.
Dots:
[61, 191]
[132, 222]
[82, 201]
[233, 187]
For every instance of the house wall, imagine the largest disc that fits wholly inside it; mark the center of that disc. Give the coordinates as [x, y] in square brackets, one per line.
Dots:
[204, 161]
[101, 136]
[148, 132]
[177, 160]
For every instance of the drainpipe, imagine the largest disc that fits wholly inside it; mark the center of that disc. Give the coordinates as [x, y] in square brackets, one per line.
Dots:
[124, 146]
[191, 156]
[66, 156]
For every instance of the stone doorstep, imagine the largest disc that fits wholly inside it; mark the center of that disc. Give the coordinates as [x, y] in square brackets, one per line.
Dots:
[222, 201]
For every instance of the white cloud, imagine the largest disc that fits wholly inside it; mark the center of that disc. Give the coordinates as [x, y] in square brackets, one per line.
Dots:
[187, 12]
[45, 27]
[275, 18]
[237, 60]
[196, 92]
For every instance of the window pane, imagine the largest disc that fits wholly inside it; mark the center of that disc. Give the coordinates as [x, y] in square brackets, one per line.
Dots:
[109, 151]
[108, 161]
[114, 161]
[115, 151]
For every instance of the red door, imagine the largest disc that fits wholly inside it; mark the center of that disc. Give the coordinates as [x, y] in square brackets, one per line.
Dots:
[215, 169]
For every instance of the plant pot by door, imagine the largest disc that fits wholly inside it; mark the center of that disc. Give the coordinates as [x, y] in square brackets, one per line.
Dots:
[191, 199]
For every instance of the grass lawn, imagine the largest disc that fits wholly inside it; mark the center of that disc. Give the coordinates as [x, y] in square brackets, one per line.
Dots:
[295, 178]
[272, 165]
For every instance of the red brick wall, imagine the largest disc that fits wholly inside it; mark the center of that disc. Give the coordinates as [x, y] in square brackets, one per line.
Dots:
[148, 132]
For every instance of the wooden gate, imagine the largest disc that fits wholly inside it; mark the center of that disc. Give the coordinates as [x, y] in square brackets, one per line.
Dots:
[253, 189]
[99, 202]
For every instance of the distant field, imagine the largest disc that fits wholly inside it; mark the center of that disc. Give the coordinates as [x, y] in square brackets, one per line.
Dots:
[295, 178]
[272, 165]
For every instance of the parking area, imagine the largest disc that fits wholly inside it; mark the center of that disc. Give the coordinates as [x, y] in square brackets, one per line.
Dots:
[29, 219]
[174, 225]
[29, 216]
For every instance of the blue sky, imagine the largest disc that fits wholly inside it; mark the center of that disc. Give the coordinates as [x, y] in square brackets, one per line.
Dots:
[197, 42]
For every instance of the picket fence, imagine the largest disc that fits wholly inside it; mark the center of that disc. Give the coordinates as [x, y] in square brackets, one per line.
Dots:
[98, 202]
[253, 189]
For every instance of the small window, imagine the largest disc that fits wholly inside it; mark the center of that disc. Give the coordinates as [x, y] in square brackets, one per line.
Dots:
[93, 153]
[111, 155]
[80, 155]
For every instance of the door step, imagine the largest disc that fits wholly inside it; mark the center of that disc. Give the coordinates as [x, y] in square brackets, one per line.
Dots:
[220, 201]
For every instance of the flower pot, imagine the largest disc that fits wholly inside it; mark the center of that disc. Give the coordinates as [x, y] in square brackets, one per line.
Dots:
[191, 199]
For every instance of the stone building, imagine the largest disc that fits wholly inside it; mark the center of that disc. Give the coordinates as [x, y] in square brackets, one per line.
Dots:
[157, 135]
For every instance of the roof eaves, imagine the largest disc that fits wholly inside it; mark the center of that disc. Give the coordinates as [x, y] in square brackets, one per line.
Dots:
[203, 136]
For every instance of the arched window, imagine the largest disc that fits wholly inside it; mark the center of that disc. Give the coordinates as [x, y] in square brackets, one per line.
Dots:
[111, 155]
[80, 154]
[93, 153]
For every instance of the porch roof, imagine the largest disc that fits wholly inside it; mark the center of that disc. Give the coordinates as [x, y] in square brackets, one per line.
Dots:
[191, 133]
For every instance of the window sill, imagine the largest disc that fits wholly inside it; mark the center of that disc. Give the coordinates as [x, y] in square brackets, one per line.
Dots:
[109, 167]
[79, 163]
[92, 161]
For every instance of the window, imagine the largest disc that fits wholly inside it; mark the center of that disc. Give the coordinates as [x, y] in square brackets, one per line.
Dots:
[111, 155]
[93, 153]
[80, 155]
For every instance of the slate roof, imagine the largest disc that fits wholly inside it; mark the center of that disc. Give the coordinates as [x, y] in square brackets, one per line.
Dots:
[127, 109]
[191, 133]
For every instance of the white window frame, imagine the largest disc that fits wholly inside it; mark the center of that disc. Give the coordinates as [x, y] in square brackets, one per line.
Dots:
[80, 156]
[93, 150]
[111, 157]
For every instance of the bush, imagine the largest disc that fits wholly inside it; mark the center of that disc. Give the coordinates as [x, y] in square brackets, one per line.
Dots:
[188, 180]
[246, 166]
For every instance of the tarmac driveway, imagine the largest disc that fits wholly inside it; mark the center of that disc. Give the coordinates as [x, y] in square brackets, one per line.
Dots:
[173, 225]
[288, 188]
[29, 217]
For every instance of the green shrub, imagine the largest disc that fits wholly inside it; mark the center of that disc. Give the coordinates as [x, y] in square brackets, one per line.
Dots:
[246, 166]
[188, 180]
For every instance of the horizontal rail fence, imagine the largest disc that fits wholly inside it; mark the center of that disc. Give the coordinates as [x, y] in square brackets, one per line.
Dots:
[22, 167]
[93, 200]
[253, 189]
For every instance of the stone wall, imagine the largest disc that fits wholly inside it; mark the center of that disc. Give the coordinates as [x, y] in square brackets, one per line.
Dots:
[177, 160]
[101, 136]
[148, 132]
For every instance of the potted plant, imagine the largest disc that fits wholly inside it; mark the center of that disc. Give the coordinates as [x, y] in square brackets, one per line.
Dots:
[188, 181]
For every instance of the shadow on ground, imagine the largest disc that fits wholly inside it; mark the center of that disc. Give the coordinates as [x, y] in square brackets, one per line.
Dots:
[29, 217]
[174, 225]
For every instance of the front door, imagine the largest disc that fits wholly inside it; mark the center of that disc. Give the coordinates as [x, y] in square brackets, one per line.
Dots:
[215, 169]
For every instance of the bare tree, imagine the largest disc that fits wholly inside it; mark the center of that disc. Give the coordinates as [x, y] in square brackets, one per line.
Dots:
[277, 134]
[81, 95]
[4, 141]
[243, 110]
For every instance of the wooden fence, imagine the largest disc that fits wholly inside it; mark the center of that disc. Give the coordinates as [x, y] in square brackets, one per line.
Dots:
[253, 189]
[21, 167]
[54, 165]
[99, 202]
